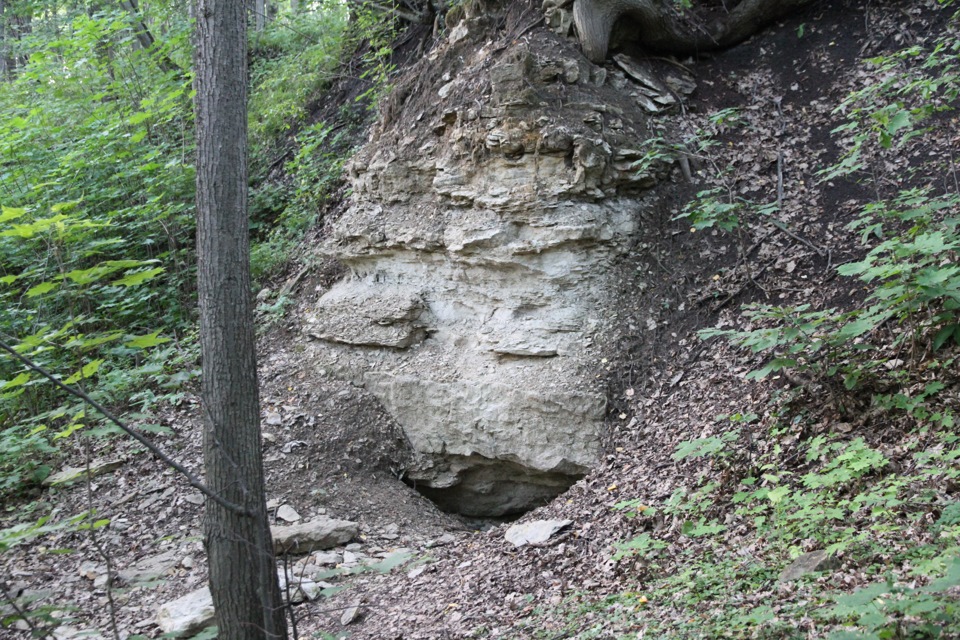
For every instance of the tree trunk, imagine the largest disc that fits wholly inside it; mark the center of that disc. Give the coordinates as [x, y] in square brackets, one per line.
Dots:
[144, 37]
[259, 10]
[660, 29]
[243, 575]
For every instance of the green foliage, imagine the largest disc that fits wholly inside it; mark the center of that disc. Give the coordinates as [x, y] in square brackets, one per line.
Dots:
[914, 283]
[892, 610]
[710, 209]
[703, 447]
[295, 57]
[97, 193]
[96, 187]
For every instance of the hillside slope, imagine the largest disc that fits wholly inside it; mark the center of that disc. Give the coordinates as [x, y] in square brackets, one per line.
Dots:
[710, 481]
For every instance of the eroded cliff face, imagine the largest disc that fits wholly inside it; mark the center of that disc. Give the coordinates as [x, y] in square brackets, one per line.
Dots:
[505, 178]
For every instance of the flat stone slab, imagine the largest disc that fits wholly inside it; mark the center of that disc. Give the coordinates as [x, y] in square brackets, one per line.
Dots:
[354, 315]
[72, 474]
[149, 569]
[318, 534]
[808, 563]
[536, 532]
[188, 615]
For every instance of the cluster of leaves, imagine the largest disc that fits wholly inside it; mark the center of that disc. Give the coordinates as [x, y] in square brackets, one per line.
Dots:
[97, 189]
[910, 272]
[297, 57]
[96, 183]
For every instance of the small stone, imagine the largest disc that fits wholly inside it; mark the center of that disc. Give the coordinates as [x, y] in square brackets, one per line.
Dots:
[70, 633]
[319, 533]
[90, 570]
[188, 615]
[536, 532]
[808, 563]
[194, 498]
[288, 514]
[445, 539]
[273, 418]
[350, 558]
[149, 569]
[354, 546]
[350, 614]
[415, 572]
[328, 558]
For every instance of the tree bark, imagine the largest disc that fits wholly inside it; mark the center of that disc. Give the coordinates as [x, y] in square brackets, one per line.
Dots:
[259, 10]
[243, 575]
[659, 28]
[144, 37]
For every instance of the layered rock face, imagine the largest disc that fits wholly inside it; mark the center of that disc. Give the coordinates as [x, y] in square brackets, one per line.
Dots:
[479, 244]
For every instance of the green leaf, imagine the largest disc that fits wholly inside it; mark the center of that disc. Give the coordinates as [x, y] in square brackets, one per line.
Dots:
[390, 562]
[944, 334]
[40, 289]
[21, 379]
[9, 213]
[146, 341]
[88, 370]
[899, 121]
[137, 118]
[777, 495]
[139, 277]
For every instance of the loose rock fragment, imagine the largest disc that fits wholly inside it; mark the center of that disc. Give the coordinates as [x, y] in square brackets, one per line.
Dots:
[188, 615]
[536, 532]
[320, 533]
[808, 563]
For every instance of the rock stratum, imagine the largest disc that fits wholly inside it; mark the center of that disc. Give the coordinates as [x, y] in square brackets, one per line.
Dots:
[479, 245]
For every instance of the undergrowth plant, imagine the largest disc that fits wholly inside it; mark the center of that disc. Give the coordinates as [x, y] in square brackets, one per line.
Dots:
[867, 479]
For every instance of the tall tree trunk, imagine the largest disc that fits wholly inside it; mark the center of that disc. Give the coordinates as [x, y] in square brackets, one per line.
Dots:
[259, 9]
[5, 70]
[243, 574]
[144, 37]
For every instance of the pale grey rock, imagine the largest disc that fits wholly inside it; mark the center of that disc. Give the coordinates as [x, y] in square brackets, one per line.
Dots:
[288, 513]
[536, 532]
[328, 558]
[351, 614]
[297, 588]
[479, 259]
[187, 615]
[152, 568]
[361, 316]
[72, 633]
[808, 563]
[319, 533]
[73, 474]
[416, 572]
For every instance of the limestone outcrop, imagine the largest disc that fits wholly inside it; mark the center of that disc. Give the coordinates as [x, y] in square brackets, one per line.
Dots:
[479, 245]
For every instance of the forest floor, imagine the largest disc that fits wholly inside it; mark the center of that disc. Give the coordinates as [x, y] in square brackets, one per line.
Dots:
[330, 449]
